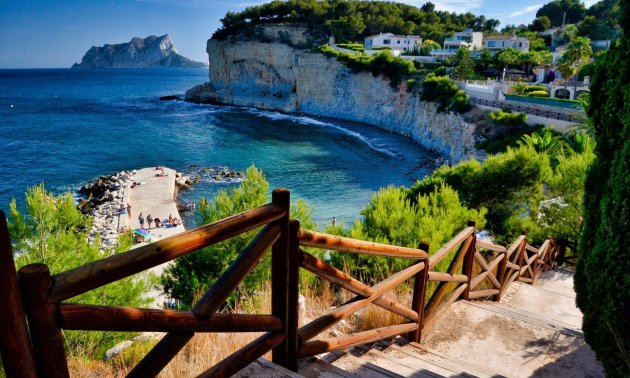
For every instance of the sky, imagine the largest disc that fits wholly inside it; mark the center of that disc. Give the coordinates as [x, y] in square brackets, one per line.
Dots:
[57, 33]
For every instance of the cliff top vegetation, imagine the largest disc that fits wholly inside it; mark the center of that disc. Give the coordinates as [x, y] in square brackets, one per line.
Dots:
[354, 19]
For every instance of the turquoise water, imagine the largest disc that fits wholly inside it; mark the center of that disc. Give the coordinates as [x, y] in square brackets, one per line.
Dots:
[65, 127]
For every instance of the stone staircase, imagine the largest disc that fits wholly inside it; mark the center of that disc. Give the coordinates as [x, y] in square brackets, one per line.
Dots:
[533, 331]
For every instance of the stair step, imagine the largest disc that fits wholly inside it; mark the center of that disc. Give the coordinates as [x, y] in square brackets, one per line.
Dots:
[317, 367]
[390, 363]
[529, 317]
[421, 357]
[362, 368]
[263, 368]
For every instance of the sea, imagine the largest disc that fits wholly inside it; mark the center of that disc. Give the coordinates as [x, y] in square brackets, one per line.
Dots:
[64, 127]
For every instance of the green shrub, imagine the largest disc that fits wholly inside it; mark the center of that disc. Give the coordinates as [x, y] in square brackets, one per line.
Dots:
[461, 102]
[359, 47]
[392, 218]
[539, 94]
[440, 71]
[383, 63]
[443, 90]
[602, 281]
[51, 230]
[506, 117]
[194, 273]
[508, 185]
[532, 88]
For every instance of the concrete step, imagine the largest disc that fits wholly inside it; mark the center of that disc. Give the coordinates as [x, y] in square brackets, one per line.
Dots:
[421, 357]
[362, 367]
[263, 368]
[391, 363]
[315, 367]
[532, 318]
[558, 281]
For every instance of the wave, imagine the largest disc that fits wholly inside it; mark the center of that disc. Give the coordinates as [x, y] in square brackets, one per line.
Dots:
[304, 120]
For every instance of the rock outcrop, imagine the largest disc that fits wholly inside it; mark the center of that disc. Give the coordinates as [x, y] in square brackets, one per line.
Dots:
[276, 76]
[139, 53]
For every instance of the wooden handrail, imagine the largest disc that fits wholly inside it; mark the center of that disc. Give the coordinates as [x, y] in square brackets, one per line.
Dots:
[335, 276]
[47, 316]
[315, 347]
[450, 246]
[342, 244]
[166, 349]
[315, 327]
[90, 276]
[127, 319]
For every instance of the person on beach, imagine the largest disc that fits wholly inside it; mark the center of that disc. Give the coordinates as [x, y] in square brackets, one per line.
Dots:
[334, 221]
[141, 220]
[149, 220]
[157, 223]
[170, 220]
[129, 210]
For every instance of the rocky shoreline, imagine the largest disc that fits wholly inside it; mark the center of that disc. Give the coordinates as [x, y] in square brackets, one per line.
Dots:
[101, 198]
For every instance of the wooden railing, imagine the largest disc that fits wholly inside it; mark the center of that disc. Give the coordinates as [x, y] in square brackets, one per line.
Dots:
[35, 311]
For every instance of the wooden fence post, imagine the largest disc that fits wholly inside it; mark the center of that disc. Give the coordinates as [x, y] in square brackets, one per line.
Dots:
[294, 294]
[501, 272]
[15, 346]
[280, 276]
[522, 255]
[419, 294]
[42, 319]
[467, 266]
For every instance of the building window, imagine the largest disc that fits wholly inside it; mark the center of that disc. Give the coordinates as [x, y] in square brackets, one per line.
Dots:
[520, 44]
[387, 41]
[398, 42]
[490, 43]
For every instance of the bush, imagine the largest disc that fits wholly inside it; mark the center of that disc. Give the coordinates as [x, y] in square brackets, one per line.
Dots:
[51, 230]
[440, 71]
[383, 63]
[602, 281]
[539, 94]
[392, 218]
[461, 102]
[359, 47]
[192, 274]
[508, 185]
[442, 90]
[532, 88]
[506, 117]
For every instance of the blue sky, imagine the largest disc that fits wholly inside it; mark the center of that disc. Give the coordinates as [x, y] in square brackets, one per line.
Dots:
[56, 33]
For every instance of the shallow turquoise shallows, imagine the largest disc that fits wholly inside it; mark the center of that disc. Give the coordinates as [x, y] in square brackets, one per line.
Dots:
[65, 127]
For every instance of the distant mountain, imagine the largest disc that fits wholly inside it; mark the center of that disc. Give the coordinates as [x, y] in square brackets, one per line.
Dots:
[138, 53]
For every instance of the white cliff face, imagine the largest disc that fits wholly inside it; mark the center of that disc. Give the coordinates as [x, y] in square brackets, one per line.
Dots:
[275, 76]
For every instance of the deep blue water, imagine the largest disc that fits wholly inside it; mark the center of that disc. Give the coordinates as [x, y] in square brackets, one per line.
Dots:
[65, 127]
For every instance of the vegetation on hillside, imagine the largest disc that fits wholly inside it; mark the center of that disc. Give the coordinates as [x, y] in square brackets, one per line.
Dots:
[601, 280]
[352, 20]
[52, 231]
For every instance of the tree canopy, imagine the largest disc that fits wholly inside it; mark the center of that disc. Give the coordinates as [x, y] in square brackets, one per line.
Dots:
[352, 20]
[555, 11]
[601, 281]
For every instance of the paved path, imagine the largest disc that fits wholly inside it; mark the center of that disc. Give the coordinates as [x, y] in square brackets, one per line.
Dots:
[154, 196]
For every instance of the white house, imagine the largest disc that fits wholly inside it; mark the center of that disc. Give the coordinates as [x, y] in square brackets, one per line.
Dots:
[395, 42]
[499, 42]
[467, 39]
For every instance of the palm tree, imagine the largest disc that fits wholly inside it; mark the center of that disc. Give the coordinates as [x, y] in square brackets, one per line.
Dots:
[544, 142]
[567, 69]
[578, 52]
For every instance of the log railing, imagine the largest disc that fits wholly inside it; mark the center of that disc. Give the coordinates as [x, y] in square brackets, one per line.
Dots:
[35, 307]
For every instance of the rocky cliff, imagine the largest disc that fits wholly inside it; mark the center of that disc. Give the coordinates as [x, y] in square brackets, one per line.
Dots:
[276, 76]
[138, 53]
